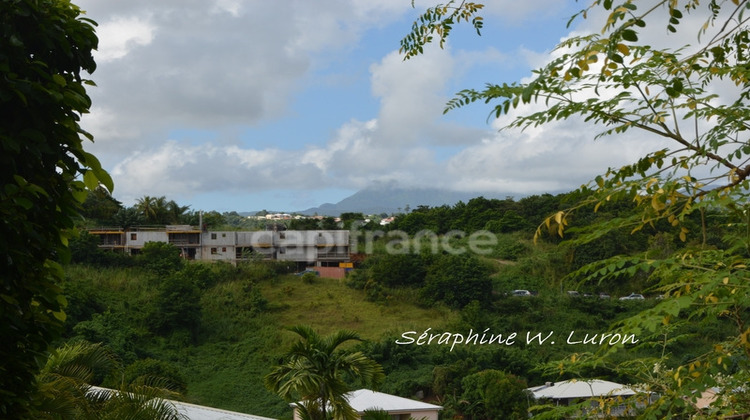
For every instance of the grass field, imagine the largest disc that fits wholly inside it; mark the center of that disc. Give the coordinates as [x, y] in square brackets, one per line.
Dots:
[237, 343]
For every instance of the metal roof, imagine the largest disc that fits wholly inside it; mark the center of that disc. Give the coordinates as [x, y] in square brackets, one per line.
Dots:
[580, 388]
[199, 412]
[365, 399]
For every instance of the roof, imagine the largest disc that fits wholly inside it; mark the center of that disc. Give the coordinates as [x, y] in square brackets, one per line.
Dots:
[580, 389]
[199, 412]
[365, 399]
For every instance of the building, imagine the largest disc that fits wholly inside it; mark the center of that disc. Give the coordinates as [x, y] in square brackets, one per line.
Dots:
[324, 248]
[192, 411]
[574, 391]
[399, 408]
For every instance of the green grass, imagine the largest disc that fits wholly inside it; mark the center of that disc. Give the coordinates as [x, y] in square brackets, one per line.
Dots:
[237, 343]
[328, 305]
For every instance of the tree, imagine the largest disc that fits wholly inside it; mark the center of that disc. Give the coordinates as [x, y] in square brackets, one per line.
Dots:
[457, 280]
[493, 394]
[100, 206]
[614, 80]
[127, 217]
[45, 173]
[177, 306]
[161, 258]
[157, 210]
[319, 373]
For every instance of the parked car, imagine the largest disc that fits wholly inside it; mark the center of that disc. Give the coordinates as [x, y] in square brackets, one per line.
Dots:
[302, 273]
[603, 296]
[573, 293]
[633, 296]
[520, 293]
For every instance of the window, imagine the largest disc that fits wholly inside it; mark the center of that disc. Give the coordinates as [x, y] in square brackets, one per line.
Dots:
[213, 251]
[213, 236]
[223, 235]
[282, 235]
[224, 249]
[133, 236]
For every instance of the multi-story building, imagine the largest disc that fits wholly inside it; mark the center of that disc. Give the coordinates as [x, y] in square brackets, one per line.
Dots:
[324, 248]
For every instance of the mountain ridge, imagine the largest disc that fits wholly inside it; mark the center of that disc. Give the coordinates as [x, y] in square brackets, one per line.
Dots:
[392, 199]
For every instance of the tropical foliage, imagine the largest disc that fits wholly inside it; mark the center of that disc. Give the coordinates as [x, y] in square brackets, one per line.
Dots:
[318, 374]
[46, 48]
[694, 100]
[65, 390]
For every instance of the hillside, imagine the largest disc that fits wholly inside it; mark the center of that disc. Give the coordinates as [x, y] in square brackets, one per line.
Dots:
[218, 329]
[237, 342]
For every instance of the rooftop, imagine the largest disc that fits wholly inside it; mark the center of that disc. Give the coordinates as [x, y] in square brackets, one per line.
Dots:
[365, 399]
[580, 389]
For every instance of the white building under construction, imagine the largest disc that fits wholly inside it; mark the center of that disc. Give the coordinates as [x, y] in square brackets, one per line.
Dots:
[325, 248]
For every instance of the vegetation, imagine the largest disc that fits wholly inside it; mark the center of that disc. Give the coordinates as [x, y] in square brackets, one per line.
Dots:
[46, 172]
[239, 321]
[65, 391]
[614, 80]
[316, 374]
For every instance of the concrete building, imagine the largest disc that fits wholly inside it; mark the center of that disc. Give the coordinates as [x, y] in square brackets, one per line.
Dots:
[324, 248]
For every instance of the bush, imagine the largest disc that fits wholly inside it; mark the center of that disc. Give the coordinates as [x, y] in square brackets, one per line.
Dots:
[457, 280]
[493, 394]
[177, 306]
[160, 258]
[148, 370]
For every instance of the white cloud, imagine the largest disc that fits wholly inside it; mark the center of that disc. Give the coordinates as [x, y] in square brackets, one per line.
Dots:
[120, 35]
[230, 66]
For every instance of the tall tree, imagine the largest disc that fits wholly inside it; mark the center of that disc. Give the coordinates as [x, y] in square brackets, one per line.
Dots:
[155, 210]
[100, 206]
[317, 371]
[44, 175]
[674, 93]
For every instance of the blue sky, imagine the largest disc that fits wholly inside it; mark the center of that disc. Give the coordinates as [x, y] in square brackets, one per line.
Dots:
[247, 105]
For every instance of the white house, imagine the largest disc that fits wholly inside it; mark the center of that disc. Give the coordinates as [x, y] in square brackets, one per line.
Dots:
[398, 407]
[575, 391]
[200, 412]
[196, 412]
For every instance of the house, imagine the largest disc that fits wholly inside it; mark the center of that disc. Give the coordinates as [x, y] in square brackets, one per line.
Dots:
[398, 407]
[200, 412]
[576, 391]
[197, 412]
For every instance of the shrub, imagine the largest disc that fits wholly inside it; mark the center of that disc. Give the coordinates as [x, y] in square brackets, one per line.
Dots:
[148, 370]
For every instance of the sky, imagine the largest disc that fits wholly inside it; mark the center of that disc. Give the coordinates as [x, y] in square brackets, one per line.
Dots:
[233, 105]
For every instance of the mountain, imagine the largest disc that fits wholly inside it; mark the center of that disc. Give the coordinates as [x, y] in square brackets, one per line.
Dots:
[393, 199]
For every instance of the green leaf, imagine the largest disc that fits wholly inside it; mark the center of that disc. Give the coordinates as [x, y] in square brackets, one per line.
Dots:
[629, 35]
[90, 179]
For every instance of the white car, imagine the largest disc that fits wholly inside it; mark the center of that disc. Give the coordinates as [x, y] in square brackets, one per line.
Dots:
[633, 296]
[520, 293]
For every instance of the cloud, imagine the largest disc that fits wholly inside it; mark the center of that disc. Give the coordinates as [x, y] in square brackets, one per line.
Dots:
[120, 35]
[228, 67]
[177, 169]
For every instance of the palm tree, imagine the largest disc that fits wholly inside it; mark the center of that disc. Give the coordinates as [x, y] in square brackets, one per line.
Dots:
[319, 373]
[175, 212]
[146, 205]
[65, 391]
